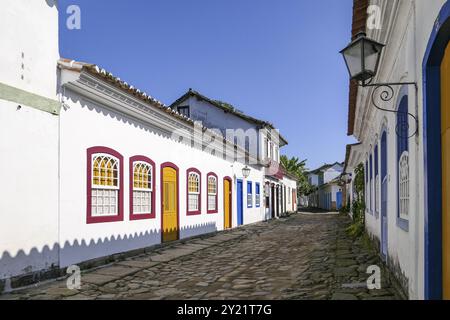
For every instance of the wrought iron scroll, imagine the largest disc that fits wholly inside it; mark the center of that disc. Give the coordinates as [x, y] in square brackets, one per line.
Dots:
[385, 92]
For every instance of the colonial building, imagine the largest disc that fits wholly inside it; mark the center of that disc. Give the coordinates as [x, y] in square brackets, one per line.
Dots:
[406, 162]
[328, 191]
[258, 138]
[97, 167]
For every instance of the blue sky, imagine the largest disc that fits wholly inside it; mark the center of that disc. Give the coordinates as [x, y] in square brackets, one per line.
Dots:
[275, 60]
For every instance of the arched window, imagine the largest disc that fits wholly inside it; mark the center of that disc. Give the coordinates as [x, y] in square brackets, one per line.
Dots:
[403, 162]
[404, 185]
[142, 185]
[371, 183]
[377, 182]
[212, 192]
[193, 192]
[367, 191]
[105, 185]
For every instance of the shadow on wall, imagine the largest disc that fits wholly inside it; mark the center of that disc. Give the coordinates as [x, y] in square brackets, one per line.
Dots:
[24, 269]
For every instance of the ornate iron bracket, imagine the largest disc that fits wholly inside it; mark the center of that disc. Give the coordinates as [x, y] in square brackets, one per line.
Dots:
[386, 94]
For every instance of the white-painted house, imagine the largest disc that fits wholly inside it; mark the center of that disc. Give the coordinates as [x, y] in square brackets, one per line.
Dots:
[96, 167]
[258, 138]
[406, 166]
[328, 193]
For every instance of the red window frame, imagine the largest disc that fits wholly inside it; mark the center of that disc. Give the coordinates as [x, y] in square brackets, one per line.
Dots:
[199, 211]
[142, 216]
[216, 210]
[89, 218]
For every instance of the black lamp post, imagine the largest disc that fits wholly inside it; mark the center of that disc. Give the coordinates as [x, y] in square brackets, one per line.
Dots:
[362, 57]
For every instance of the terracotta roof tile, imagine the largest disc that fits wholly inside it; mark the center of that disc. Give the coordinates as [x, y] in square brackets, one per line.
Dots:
[358, 25]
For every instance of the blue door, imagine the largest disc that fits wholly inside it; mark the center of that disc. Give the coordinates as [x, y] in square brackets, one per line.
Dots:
[240, 203]
[384, 195]
[339, 200]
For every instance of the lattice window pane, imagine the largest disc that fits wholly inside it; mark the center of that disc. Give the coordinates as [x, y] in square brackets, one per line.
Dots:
[211, 202]
[212, 185]
[194, 183]
[142, 202]
[377, 193]
[404, 185]
[104, 202]
[193, 202]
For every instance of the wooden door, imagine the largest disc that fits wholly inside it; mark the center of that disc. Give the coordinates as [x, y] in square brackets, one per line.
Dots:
[227, 201]
[445, 138]
[170, 228]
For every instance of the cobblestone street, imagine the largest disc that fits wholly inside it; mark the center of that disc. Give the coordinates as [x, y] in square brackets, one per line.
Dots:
[304, 256]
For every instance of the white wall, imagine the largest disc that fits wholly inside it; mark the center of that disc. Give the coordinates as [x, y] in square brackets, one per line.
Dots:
[213, 117]
[332, 173]
[102, 127]
[402, 62]
[29, 28]
[29, 189]
[28, 139]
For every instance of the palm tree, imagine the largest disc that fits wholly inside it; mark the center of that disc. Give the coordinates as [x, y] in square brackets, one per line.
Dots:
[297, 168]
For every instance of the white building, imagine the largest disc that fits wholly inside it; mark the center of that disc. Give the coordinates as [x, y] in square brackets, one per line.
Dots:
[258, 138]
[406, 174]
[96, 167]
[328, 193]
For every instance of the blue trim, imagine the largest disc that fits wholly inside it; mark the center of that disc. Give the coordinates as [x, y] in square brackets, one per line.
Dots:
[371, 182]
[377, 174]
[384, 183]
[434, 54]
[249, 193]
[258, 192]
[240, 201]
[402, 146]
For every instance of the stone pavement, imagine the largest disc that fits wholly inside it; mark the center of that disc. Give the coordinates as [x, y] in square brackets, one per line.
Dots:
[298, 257]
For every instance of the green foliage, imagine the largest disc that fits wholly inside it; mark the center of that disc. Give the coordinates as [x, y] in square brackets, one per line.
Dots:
[358, 208]
[355, 230]
[345, 209]
[297, 168]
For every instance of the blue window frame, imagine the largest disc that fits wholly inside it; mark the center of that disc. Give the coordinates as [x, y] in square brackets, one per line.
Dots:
[367, 186]
[403, 182]
[258, 195]
[377, 182]
[249, 194]
[371, 183]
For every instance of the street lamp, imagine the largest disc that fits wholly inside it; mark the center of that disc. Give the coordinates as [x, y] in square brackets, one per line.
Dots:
[246, 172]
[362, 57]
[346, 178]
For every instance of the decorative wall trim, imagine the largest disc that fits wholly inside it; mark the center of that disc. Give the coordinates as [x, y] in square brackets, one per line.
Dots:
[97, 90]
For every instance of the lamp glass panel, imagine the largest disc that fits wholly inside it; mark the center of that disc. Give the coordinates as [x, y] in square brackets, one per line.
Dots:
[352, 56]
[372, 54]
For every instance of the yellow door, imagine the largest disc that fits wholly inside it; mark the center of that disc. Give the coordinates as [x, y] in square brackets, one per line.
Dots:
[445, 135]
[227, 203]
[170, 205]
